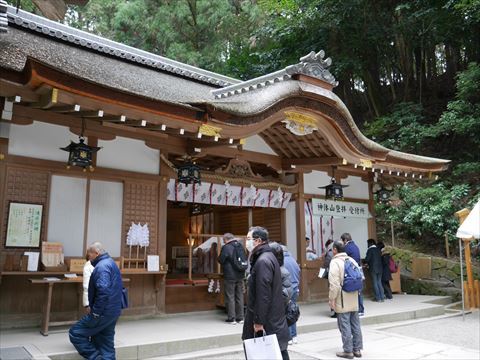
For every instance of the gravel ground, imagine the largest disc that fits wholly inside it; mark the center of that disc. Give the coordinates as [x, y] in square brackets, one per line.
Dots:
[451, 330]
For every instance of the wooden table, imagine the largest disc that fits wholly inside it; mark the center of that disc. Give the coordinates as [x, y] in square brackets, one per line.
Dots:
[46, 323]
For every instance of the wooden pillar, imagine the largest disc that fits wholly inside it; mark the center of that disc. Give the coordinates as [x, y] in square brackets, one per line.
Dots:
[3, 184]
[162, 235]
[372, 226]
[469, 289]
[301, 248]
[283, 226]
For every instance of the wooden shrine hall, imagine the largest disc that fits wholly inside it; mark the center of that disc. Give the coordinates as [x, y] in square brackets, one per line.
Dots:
[264, 149]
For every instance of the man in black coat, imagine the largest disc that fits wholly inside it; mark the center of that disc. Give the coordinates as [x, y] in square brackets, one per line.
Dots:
[375, 267]
[265, 306]
[232, 278]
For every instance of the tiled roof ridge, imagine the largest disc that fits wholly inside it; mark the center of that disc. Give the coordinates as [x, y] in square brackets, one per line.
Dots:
[312, 64]
[102, 45]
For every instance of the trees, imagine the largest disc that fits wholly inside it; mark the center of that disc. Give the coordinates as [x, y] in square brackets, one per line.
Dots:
[197, 32]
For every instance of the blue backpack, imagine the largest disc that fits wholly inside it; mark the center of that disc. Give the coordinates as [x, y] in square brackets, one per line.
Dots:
[352, 280]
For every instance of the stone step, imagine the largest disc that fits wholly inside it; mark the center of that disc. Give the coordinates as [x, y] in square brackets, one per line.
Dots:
[168, 348]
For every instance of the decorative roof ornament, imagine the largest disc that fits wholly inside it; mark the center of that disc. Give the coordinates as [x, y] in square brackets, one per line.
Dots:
[209, 130]
[314, 65]
[3, 17]
[300, 124]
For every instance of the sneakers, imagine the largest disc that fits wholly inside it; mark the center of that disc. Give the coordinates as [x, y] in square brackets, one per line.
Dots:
[290, 342]
[361, 314]
[295, 340]
[357, 354]
[239, 321]
[345, 355]
[231, 321]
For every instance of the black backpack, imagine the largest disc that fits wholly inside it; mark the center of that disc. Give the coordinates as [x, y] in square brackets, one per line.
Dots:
[292, 313]
[240, 262]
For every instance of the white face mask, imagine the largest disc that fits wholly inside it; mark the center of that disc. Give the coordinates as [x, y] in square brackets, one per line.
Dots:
[250, 245]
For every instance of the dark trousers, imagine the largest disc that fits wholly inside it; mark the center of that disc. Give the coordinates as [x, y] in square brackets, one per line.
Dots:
[387, 289]
[285, 355]
[293, 328]
[234, 299]
[93, 338]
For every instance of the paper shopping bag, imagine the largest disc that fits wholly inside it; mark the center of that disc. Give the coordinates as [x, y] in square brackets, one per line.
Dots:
[262, 348]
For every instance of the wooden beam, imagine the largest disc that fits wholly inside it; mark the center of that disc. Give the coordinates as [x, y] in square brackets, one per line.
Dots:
[295, 141]
[9, 89]
[48, 98]
[325, 161]
[310, 146]
[301, 248]
[92, 127]
[250, 156]
[320, 143]
[271, 139]
[287, 144]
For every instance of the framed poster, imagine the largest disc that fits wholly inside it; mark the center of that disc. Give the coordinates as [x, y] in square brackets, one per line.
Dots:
[24, 225]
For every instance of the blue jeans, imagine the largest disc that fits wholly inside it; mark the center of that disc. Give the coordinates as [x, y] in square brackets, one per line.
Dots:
[361, 309]
[93, 338]
[349, 326]
[293, 328]
[377, 286]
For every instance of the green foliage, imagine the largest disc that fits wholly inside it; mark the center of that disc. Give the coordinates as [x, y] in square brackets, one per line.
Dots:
[405, 121]
[427, 212]
[190, 31]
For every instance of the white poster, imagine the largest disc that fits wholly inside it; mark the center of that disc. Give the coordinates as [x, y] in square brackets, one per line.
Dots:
[322, 207]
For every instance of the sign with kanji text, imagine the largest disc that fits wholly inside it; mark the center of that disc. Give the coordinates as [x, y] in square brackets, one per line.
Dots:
[322, 207]
[24, 225]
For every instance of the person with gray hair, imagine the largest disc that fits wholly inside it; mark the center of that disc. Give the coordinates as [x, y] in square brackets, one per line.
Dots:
[345, 303]
[234, 263]
[93, 335]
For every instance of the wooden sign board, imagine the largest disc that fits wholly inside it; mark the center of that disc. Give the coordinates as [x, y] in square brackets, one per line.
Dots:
[76, 265]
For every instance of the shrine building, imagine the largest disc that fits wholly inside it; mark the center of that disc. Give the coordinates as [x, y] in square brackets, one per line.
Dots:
[183, 154]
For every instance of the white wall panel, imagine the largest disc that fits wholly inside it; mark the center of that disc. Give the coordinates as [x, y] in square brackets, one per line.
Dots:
[128, 154]
[357, 187]
[291, 229]
[256, 143]
[66, 217]
[105, 215]
[358, 228]
[315, 179]
[40, 140]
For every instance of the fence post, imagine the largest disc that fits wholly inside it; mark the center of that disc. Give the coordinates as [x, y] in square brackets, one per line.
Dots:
[393, 233]
[447, 248]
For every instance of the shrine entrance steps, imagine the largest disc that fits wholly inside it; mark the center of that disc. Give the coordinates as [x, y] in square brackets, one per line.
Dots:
[168, 335]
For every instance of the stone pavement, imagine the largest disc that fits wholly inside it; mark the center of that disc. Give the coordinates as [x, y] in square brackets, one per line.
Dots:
[380, 342]
[182, 333]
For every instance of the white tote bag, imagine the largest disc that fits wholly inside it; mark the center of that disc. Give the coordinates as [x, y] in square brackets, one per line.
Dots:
[262, 348]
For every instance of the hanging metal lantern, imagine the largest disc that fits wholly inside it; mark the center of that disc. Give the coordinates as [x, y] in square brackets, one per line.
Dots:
[80, 154]
[384, 194]
[189, 173]
[334, 191]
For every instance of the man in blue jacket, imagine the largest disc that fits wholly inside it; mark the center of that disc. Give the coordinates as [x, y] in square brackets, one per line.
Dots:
[93, 335]
[353, 251]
